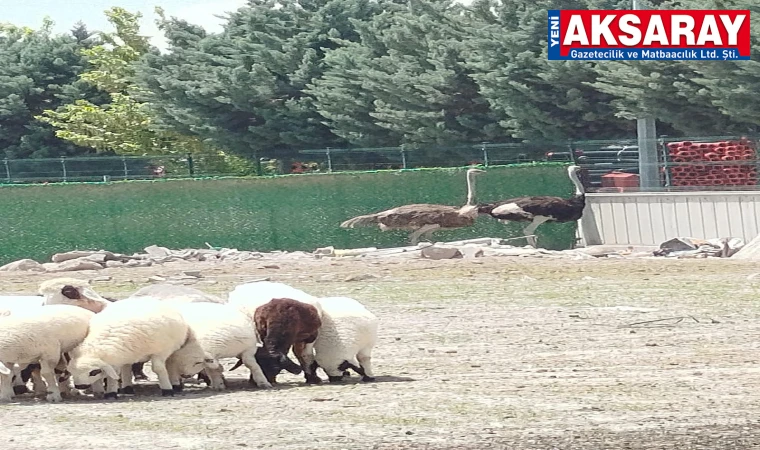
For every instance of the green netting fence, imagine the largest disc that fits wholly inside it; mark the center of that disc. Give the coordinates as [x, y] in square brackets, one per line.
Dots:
[292, 212]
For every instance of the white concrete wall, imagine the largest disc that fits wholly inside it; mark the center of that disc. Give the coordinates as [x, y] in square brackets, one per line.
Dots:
[650, 218]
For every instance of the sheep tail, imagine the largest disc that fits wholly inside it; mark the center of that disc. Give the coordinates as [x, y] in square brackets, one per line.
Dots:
[365, 220]
[4, 370]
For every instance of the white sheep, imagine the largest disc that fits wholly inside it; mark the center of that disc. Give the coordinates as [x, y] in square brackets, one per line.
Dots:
[56, 291]
[346, 338]
[41, 335]
[176, 293]
[131, 331]
[223, 332]
[72, 291]
[248, 297]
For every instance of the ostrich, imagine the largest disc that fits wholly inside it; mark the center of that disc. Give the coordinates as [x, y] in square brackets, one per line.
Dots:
[539, 209]
[424, 218]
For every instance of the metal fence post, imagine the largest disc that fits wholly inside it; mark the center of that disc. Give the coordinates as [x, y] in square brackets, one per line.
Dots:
[63, 166]
[664, 155]
[124, 164]
[190, 165]
[403, 156]
[571, 151]
[7, 170]
[485, 154]
[329, 160]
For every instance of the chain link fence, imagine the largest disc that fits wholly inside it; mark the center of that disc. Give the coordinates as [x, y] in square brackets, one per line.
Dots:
[706, 162]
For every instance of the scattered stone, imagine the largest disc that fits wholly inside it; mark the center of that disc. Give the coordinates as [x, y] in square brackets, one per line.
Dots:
[324, 251]
[111, 264]
[193, 273]
[138, 263]
[102, 278]
[73, 265]
[471, 251]
[271, 266]
[355, 251]
[436, 252]
[361, 277]
[156, 278]
[97, 257]
[156, 251]
[23, 265]
[61, 257]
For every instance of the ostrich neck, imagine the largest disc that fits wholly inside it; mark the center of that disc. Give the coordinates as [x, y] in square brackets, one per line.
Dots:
[470, 190]
[579, 190]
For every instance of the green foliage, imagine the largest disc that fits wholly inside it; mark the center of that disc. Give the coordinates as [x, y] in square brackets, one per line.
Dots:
[537, 99]
[288, 75]
[38, 71]
[124, 125]
[245, 88]
[404, 82]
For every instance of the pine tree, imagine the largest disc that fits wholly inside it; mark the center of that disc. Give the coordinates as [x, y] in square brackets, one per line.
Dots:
[124, 125]
[38, 70]
[538, 99]
[404, 82]
[245, 88]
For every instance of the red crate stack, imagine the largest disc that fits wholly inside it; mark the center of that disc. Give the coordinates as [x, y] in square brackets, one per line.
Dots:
[709, 163]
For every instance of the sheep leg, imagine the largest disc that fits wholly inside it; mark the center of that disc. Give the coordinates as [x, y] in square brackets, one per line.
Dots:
[64, 378]
[98, 388]
[19, 385]
[47, 371]
[305, 354]
[137, 370]
[175, 378]
[112, 387]
[365, 363]
[158, 365]
[38, 384]
[249, 359]
[127, 385]
[6, 383]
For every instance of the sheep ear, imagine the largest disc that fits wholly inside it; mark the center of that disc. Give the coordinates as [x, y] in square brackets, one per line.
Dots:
[110, 372]
[4, 370]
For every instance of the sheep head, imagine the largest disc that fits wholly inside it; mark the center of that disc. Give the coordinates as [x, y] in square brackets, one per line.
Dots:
[72, 291]
[86, 371]
[272, 363]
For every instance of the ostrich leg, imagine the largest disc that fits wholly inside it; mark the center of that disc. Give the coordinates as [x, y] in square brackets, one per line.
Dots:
[530, 229]
[414, 238]
[428, 235]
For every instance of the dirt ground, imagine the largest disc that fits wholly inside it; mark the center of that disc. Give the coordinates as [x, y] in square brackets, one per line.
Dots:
[484, 353]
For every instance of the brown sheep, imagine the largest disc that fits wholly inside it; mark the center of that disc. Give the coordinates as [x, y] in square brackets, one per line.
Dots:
[283, 323]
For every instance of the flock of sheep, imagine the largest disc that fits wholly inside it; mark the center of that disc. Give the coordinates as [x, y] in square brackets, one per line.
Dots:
[70, 335]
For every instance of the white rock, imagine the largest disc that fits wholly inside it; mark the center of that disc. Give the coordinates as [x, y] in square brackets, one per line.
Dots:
[23, 265]
[438, 252]
[73, 265]
[156, 251]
